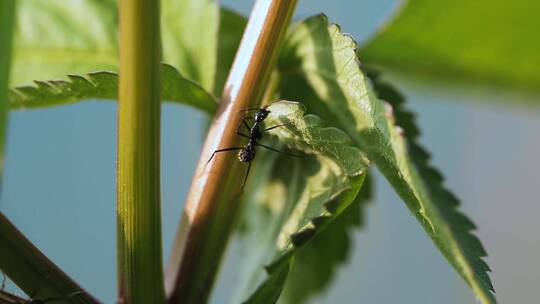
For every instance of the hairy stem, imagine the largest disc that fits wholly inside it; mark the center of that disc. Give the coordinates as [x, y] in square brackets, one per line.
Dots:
[140, 270]
[212, 203]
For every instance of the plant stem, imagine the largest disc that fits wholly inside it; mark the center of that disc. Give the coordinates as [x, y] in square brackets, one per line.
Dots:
[212, 203]
[32, 271]
[140, 268]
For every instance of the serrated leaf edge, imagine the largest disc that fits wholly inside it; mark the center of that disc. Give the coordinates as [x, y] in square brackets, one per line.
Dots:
[19, 96]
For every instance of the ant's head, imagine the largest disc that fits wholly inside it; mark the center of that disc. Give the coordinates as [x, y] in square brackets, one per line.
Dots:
[261, 115]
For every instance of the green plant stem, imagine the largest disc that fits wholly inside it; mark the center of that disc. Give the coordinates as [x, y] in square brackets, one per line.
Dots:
[140, 268]
[32, 271]
[7, 18]
[212, 203]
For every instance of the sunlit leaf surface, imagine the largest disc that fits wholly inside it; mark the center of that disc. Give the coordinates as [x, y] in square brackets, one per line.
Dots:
[53, 38]
[293, 199]
[320, 68]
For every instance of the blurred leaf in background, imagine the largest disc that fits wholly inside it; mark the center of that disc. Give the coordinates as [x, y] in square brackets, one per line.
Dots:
[7, 12]
[189, 33]
[53, 38]
[231, 28]
[481, 40]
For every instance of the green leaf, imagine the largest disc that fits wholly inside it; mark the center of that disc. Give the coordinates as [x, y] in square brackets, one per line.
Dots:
[66, 45]
[468, 244]
[270, 290]
[316, 263]
[104, 85]
[53, 38]
[296, 198]
[190, 38]
[298, 235]
[479, 40]
[231, 28]
[319, 67]
[306, 133]
[7, 13]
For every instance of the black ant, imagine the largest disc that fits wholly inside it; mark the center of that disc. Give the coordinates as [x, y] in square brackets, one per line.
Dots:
[247, 152]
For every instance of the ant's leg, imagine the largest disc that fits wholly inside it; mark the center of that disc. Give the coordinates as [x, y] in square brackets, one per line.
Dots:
[242, 134]
[268, 129]
[223, 150]
[239, 133]
[245, 178]
[276, 150]
[246, 124]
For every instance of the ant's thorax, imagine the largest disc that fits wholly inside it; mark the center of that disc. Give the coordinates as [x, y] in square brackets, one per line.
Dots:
[255, 132]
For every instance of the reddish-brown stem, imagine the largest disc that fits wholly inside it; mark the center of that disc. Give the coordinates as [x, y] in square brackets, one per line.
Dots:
[212, 203]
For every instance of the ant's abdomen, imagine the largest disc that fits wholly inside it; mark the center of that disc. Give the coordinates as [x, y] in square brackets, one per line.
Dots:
[246, 155]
